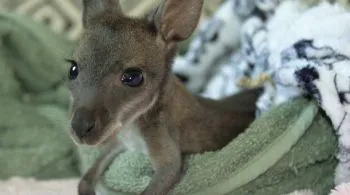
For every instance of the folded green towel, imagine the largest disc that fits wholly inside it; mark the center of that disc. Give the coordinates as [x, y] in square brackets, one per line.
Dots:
[291, 147]
[33, 142]
[34, 101]
[33, 52]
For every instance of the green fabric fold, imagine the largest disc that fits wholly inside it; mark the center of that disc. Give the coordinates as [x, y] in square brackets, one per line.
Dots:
[34, 142]
[34, 100]
[272, 148]
[33, 53]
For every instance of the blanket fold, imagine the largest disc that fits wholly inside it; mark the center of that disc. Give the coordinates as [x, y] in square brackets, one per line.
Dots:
[284, 150]
[34, 101]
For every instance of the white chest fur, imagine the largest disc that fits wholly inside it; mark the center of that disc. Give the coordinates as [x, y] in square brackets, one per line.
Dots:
[132, 139]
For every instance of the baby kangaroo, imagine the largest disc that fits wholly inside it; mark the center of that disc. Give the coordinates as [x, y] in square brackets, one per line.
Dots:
[125, 97]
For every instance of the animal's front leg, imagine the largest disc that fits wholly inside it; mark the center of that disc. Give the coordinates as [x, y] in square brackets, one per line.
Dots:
[90, 179]
[166, 159]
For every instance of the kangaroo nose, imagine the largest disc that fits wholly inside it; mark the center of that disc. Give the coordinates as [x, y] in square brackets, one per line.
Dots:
[83, 122]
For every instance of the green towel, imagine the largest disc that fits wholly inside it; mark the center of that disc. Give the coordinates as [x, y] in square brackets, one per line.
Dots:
[33, 53]
[33, 142]
[291, 147]
[34, 101]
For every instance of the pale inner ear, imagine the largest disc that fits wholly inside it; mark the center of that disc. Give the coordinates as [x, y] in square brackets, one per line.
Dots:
[177, 19]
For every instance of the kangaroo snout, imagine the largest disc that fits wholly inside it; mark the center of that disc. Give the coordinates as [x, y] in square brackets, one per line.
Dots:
[83, 122]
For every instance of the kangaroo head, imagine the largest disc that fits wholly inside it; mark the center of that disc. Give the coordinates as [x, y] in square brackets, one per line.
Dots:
[121, 65]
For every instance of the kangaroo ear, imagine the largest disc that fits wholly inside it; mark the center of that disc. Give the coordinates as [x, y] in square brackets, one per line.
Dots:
[176, 20]
[91, 8]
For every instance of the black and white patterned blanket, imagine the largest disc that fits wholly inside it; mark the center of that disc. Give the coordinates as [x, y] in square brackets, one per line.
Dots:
[303, 50]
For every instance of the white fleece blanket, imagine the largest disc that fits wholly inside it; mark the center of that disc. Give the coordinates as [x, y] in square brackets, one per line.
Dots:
[311, 55]
[304, 50]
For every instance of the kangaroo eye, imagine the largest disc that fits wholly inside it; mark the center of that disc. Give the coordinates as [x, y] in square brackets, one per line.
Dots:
[73, 71]
[132, 77]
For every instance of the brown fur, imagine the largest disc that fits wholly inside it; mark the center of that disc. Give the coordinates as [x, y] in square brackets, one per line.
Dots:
[171, 121]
